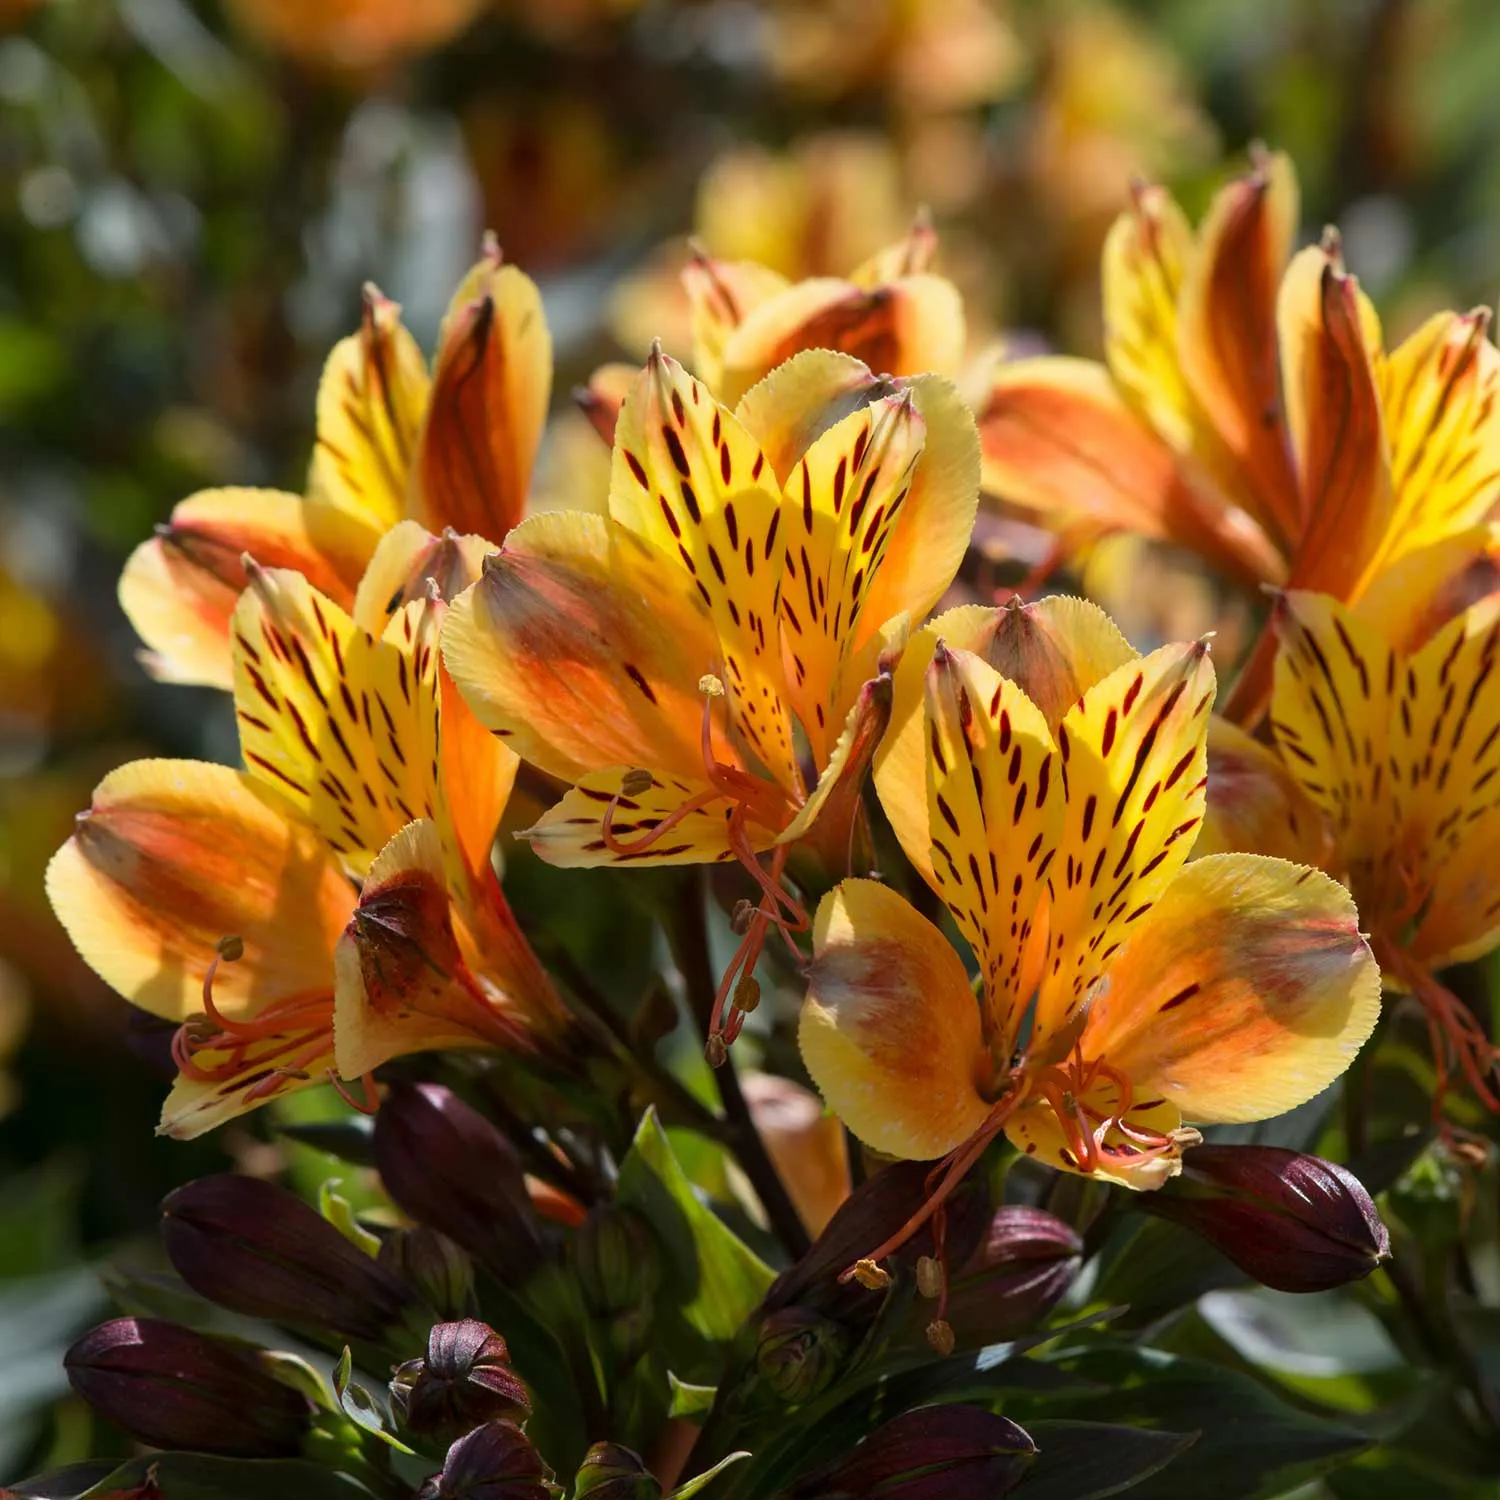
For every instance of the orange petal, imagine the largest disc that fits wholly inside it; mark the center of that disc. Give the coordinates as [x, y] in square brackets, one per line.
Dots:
[1034, 1131]
[180, 588]
[403, 985]
[601, 399]
[890, 1028]
[1227, 335]
[1334, 409]
[407, 563]
[1255, 805]
[1057, 438]
[491, 382]
[371, 403]
[580, 647]
[1246, 991]
[911, 255]
[690, 480]
[171, 857]
[721, 295]
[1134, 765]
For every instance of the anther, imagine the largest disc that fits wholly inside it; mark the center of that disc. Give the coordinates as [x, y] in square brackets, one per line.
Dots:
[230, 948]
[741, 917]
[871, 1277]
[930, 1278]
[715, 1051]
[711, 685]
[940, 1336]
[747, 993]
[636, 783]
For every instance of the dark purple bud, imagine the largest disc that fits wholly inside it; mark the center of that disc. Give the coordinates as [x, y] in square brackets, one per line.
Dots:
[1026, 1262]
[865, 1220]
[1294, 1222]
[438, 1270]
[933, 1453]
[173, 1388]
[494, 1462]
[449, 1167]
[611, 1472]
[617, 1261]
[799, 1353]
[258, 1249]
[466, 1379]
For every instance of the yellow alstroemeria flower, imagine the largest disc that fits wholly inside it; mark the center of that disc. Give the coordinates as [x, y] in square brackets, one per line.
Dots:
[1398, 756]
[345, 871]
[451, 449]
[1247, 410]
[703, 663]
[1122, 991]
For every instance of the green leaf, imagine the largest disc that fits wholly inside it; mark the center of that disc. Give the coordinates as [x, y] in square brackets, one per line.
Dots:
[197, 1476]
[63, 1484]
[690, 1400]
[361, 1407]
[1087, 1460]
[340, 1214]
[703, 1480]
[713, 1281]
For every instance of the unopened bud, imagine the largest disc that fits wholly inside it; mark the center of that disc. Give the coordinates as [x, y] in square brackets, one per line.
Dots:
[617, 1261]
[611, 1472]
[747, 993]
[933, 1453]
[799, 1353]
[439, 1271]
[465, 1379]
[1022, 1268]
[1294, 1222]
[173, 1388]
[494, 1462]
[447, 1166]
[258, 1249]
[940, 1336]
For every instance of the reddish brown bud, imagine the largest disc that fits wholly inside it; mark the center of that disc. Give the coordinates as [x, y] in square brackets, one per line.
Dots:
[258, 1249]
[611, 1472]
[465, 1380]
[799, 1353]
[1294, 1222]
[173, 1388]
[1026, 1262]
[494, 1462]
[933, 1453]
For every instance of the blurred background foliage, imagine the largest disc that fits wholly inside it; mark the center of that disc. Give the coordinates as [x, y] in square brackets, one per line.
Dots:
[193, 192]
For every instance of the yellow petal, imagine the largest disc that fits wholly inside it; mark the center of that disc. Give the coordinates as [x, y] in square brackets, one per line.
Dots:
[601, 399]
[890, 1028]
[693, 483]
[721, 294]
[1054, 650]
[1134, 763]
[1034, 1131]
[1246, 991]
[582, 648]
[171, 857]
[1058, 439]
[995, 789]
[904, 327]
[1422, 588]
[1330, 709]
[331, 718]
[1255, 805]
[371, 403]
[1145, 254]
[403, 985]
[1333, 405]
[911, 255]
[1227, 335]
[491, 382]
[180, 588]
[407, 562]
[1462, 919]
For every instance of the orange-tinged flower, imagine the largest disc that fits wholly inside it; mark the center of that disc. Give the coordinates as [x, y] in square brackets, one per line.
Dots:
[355, 34]
[344, 874]
[1400, 755]
[704, 663]
[451, 449]
[1254, 417]
[1123, 991]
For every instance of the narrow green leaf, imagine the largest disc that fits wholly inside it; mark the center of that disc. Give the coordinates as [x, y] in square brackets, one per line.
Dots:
[690, 1400]
[703, 1480]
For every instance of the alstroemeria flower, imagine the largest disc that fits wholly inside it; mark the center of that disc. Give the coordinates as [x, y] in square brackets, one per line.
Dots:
[1253, 416]
[1122, 991]
[345, 872]
[451, 449]
[702, 663]
[1399, 755]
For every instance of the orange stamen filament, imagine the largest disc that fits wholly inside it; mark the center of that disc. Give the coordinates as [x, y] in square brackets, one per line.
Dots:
[1085, 1129]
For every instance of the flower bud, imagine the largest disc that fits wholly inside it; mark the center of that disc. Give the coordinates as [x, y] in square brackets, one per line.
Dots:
[933, 1453]
[465, 1380]
[1294, 1222]
[447, 1166]
[173, 1388]
[1026, 1262]
[258, 1249]
[799, 1353]
[494, 1462]
[440, 1272]
[617, 1261]
[611, 1472]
